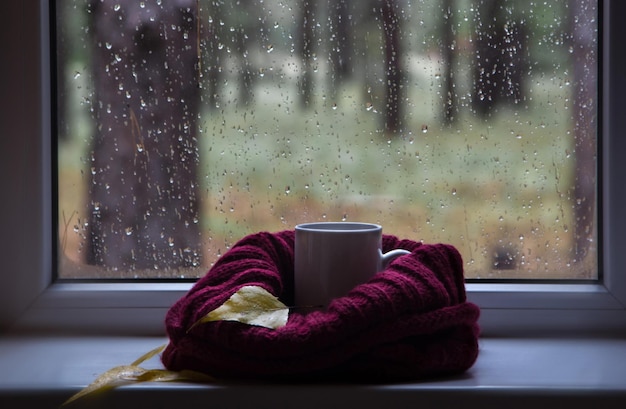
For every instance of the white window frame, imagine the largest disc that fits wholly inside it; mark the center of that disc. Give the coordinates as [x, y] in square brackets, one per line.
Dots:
[30, 300]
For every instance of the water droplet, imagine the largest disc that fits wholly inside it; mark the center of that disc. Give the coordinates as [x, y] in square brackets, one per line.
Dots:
[116, 7]
[270, 48]
[287, 190]
[424, 128]
[76, 75]
[128, 231]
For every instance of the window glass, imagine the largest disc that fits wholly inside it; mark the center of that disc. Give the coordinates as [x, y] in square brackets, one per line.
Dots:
[185, 125]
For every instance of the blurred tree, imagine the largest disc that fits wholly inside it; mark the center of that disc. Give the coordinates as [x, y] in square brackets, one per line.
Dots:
[143, 192]
[448, 52]
[246, 27]
[367, 50]
[393, 65]
[582, 21]
[212, 51]
[305, 48]
[340, 42]
[500, 55]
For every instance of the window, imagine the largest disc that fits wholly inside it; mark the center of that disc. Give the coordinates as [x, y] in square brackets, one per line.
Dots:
[506, 307]
[184, 127]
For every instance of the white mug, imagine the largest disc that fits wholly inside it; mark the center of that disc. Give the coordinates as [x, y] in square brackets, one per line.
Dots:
[333, 258]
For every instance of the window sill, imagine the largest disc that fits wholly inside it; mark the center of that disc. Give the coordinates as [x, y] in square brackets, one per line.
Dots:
[512, 372]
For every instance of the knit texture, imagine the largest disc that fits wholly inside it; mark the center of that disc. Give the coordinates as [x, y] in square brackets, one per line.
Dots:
[409, 321]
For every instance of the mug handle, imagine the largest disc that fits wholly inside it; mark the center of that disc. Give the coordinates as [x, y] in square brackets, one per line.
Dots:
[391, 255]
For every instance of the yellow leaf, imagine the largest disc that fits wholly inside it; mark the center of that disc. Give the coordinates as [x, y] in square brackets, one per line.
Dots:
[164, 375]
[118, 376]
[149, 355]
[129, 374]
[251, 305]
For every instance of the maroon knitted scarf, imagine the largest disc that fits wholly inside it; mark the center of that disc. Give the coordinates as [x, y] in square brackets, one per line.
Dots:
[410, 321]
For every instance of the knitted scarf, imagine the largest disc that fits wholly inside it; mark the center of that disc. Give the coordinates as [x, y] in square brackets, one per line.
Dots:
[409, 321]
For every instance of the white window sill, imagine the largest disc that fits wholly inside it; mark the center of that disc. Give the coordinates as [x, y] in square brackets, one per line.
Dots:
[44, 371]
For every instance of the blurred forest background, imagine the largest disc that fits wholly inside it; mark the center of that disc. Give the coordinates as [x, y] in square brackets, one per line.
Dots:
[184, 125]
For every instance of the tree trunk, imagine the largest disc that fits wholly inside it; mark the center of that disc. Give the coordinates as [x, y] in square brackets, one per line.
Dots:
[245, 31]
[449, 61]
[487, 67]
[393, 66]
[340, 43]
[500, 57]
[305, 49]
[212, 47]
[143, 192]
[583, 15]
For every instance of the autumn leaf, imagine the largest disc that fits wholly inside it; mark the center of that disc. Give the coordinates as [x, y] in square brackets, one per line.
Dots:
[251, 305]
[131, 374]
[114, 377]
[149, 355]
